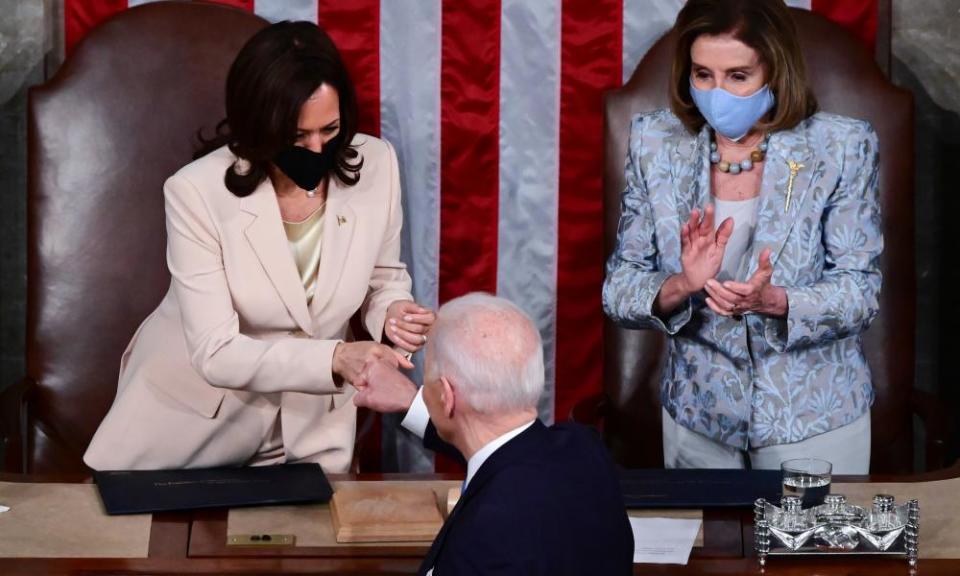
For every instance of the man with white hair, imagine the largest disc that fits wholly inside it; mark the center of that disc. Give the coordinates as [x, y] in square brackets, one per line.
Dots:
[536, 499]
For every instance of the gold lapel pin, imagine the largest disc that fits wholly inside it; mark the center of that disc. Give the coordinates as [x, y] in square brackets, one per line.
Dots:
[794, 167]
[341, 220]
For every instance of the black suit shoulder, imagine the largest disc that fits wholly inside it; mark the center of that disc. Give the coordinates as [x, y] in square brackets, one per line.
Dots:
[547, 502]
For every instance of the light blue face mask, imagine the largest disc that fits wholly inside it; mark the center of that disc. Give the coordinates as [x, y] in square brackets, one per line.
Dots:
[732, 115]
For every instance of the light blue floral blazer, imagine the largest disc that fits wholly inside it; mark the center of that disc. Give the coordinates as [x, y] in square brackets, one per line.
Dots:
[755, 381]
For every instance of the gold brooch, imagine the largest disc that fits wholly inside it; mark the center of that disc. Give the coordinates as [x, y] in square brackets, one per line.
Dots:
[794, 170]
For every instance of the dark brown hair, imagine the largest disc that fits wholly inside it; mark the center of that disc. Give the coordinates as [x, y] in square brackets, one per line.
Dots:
[764, 25]
[276, 71]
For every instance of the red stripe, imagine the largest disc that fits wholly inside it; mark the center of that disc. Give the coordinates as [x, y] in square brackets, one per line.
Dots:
[470, 154]
[591, 48]
[355, 29]
[354, 26]
[470, 151]
[857, 16]
[81, 16]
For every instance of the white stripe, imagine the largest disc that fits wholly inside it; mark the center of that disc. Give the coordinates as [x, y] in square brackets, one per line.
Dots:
[644, 22]
[132, 3]
[805, 4]
[277, 10]
[529, 166]
[410, 120]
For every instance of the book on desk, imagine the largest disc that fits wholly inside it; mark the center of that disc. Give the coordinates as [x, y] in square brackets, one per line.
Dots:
[142, 491]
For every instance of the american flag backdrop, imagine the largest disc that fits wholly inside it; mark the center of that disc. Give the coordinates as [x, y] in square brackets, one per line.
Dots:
[495, 109]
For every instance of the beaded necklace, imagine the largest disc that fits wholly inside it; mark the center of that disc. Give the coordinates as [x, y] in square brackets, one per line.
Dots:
[756, 155]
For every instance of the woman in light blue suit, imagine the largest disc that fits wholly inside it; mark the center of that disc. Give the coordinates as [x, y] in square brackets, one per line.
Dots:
[750, 233]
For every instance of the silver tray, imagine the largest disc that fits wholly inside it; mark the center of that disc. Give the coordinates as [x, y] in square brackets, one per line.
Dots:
[837, 528]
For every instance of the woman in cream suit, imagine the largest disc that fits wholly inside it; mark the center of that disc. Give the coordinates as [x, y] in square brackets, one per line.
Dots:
[750, 233]
[274, 241]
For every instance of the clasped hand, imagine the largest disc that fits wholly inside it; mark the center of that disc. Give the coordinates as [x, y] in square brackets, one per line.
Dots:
[351, 359]
[406, 326]
[702, 250]
[385, 389]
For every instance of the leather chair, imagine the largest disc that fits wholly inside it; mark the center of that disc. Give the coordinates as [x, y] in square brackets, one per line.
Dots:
[118, 118]
[846, 81]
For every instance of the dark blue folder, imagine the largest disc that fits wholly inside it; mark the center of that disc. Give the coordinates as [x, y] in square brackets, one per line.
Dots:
[660, 488]
[141, 491]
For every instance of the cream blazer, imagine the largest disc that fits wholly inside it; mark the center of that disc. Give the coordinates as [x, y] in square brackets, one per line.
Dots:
[233, 342]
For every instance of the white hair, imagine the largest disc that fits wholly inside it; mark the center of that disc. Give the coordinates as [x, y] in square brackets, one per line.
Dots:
[490, 350]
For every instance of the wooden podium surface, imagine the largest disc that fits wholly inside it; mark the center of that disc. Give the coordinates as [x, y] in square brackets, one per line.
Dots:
[195, 543]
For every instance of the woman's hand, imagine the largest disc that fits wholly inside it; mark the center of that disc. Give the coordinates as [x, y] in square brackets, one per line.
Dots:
[350, 359]
[407, 324]
[702, 248]
[701, 254]
[757, 295]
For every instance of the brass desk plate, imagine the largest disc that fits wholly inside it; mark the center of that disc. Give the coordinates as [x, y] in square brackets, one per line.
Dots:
[262, 540]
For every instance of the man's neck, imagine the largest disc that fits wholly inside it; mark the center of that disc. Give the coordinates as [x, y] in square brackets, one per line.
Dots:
[480, 429]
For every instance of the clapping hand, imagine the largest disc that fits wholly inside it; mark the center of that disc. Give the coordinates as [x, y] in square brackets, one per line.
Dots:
[702, 248]
[755, 295]
[701, 254]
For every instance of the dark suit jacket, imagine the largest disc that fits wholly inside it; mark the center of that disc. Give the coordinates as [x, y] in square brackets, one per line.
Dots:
[547, 502]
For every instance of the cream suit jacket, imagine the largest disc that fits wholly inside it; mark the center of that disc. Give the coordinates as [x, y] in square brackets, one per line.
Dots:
[234, 342]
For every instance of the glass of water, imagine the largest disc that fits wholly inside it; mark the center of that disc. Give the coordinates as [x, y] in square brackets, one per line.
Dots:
[807, 478]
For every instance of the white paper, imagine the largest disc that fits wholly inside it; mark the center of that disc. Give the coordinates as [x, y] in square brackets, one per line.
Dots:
[663, 540]
[3, 508]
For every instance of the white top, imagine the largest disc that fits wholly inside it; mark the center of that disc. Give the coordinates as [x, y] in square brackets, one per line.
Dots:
[744, 214]
[416, 421]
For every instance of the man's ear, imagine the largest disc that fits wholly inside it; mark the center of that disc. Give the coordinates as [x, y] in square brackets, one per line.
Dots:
[447, 397]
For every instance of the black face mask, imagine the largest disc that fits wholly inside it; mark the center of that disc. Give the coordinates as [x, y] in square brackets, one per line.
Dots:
[306, 167]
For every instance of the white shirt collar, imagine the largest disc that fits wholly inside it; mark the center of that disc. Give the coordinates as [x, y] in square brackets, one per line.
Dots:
[416, 421]
[481, 455]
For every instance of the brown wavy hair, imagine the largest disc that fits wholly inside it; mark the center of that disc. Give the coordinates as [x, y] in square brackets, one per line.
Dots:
[274, 73]
[764, 25]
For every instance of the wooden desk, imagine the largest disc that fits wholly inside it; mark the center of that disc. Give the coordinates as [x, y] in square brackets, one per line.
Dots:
[192, 543]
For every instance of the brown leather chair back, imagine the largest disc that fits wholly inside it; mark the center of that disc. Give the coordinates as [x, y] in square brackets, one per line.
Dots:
[846, 81]
[119, 117]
